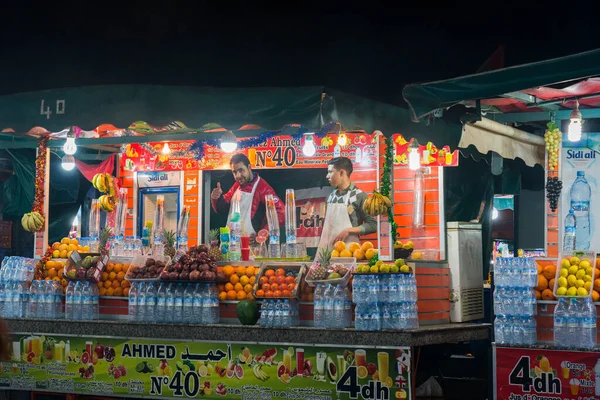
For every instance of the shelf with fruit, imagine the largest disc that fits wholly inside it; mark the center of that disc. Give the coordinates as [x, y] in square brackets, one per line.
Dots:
[399, 266]
[366, 251]
[113, 282]
[574, 276]
[51, 266]
[240, 282]
[279, 280]
[331, 270]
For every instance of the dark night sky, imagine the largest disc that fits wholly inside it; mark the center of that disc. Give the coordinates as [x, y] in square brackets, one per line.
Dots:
[367, 52]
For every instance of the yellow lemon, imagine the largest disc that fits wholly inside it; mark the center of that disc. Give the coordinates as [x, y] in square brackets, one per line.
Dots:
[572, 291]
[587, 286]
[573, 270]
[587, 278]
[574, 261]
[561, 291]
[562, 282]
[582, 292]
[584, 264]
[571, 280]
[565, 263]
[579, 283]
[374, 269]
[580, 274]
[335, 253]
[564, 272]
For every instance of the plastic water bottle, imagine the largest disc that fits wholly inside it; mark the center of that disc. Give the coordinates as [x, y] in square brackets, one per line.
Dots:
[319, 306]
[95, 301]
[588, 329]
[376, 318]
[69, 297]
[267, 312]
[2, 297]
[88, 301]
[214, 299]
[560, 323]
[178, 315]
[499, 329]
[197, 304]
[34, 291]
[133, 295]
[188, 304]
[77, 300]
[348, 308]
[170, 295]
[328, 300]
[580, 203]
[569, 241]
[150, 312]
[23, 299]
[161, 302]
[339, 298]
[141, 302]
[573, 324]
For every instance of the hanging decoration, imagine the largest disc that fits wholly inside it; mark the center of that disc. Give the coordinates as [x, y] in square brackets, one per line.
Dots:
[34, 220]
[386, 183]
[429, 154]
[552, 137]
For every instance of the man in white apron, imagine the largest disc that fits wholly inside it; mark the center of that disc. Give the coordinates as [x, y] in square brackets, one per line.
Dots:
[344, 220]
[249, 193]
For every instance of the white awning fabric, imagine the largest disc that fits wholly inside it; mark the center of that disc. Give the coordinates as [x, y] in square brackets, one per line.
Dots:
[487, 135]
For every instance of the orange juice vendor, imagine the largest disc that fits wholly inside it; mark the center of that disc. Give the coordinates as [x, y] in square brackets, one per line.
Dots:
[250, 190]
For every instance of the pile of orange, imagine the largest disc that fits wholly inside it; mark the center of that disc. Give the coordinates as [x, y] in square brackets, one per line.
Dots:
[66, 247]
[53, 271]
[113, 281]
[307, 293]
[240, 282]
[275, 283]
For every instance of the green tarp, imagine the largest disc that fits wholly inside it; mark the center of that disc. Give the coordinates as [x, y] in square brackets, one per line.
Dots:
[424, 99]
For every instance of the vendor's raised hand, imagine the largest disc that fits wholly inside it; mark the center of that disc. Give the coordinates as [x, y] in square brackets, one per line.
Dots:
[341, 236]
[217, 192]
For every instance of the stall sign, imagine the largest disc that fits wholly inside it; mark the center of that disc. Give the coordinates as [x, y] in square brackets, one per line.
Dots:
[158, 179]
[430, 155]
[212, 370]
[311, 205]
[528, 374]
[277, 152]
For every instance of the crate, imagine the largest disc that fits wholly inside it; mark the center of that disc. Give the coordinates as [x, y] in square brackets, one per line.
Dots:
[298, 267]
[589, 256]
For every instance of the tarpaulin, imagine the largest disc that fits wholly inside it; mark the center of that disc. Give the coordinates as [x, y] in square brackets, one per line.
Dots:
[90, 170]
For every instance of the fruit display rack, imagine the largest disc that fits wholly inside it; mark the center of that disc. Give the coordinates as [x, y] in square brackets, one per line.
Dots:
[284, 280]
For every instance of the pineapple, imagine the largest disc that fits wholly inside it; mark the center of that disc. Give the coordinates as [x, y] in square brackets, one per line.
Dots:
[318, 271]
[214, 250]
[169, 243]
[104, 236]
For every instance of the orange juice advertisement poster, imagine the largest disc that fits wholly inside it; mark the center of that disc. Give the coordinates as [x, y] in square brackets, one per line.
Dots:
[527, 374]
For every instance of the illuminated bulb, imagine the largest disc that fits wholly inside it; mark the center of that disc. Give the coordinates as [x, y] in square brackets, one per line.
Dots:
[228, 142]
[166, 150]
[70, 147]
[309, 148]
[342, 139]
[414, 160]
[574, 132]
[494, 213]
[68, 162]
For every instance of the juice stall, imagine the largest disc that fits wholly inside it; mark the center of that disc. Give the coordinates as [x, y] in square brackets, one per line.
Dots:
[149, 234]
[545, 302]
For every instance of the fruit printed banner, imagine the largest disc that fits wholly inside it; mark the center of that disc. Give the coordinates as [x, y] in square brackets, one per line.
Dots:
[278, 152]
[212, 370]
[431, 156]
[529, 374]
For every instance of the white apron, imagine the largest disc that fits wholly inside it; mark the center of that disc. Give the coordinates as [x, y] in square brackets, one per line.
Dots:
[245, 201]
[336, 220]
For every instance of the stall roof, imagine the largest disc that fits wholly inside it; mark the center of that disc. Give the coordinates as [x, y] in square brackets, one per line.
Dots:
[515, 89]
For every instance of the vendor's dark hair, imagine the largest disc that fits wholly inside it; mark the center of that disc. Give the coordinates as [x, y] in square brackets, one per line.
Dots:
[342, 163]
[239, 158]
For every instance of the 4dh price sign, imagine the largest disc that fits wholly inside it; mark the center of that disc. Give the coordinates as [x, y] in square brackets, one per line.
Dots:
[540, 374]
[212, 370]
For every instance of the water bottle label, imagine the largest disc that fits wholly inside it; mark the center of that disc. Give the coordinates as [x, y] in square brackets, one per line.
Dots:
[161, 302]
[579, 207]
[150, 302]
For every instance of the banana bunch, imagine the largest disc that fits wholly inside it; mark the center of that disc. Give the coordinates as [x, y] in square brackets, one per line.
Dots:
[259, 373]
[104, 183]
[377, 204]
[107, 203]
[32, 222]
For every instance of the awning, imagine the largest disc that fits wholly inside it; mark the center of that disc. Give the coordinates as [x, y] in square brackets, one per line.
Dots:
[424, 99]
[487, 135]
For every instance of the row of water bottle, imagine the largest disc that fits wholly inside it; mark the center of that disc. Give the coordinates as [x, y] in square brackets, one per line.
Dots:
[18, 269]
[191, 303]
[82, 301]
[378, 316]
[515, 272]
[515, 330]
[279, 313]
[16, 273]
[575, 323]
[45, 300]
[394, 288]
[515, 301]
[333, 307]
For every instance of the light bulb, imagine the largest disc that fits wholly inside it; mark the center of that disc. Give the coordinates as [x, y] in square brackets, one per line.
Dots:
[414, 159]
[574, 132]
[68, 162]
[309, 148]
[494, 213]
[166, 150]
[342, 139]
[228, 142]
[70, 147]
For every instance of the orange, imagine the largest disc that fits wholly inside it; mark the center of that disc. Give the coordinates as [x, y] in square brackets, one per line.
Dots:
[126, 292]
[64, 282]
[222, 295]
[238, 287]
[538, 295]
[274, 286]
[370, 253]
[280, 279]
[252, 280]
[228, 270]
[290, 279]
[231, 295]
[263, 280]
[228, 287]
[63, 247]
[358, 254]
[597, 272]
[50, 264]
[118, 292]
[269, 272]
[126, 267]
[260, 293]
[286, 293]
[291, 286]
[63, 254]
[540, 269]
[118, 268]
[547, 295]
[244, 280]
[353, 247]
[112, 276]
[268, 293]
[345, 253]
[551, 284]
[597, 285]
[120, 276]
[595, 296]
[280, 272]
[52, 272]
[248, 288]
[125, 284]
[55, 245]
[339, 246]
[250, 271]
[283, 286]
[110, 267]
[102, 291]
[71, 247]
[234, 279]
[220, 287]
[74, 242]
[277, 293]
[56, 278]
[249, 296]
[104, 276]
[241, 271]
[549, 271]
[266, 287]
[60, 273]
[65, 241]
[47, 278]
[366, 246]
[116, 284]
[542, 283]
[272, 279]
[241, 295]
[110, 291]
[108, 284]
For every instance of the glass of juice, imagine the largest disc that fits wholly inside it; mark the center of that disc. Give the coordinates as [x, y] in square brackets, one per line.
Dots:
[287, 360]
[300, 361]
[361, 358]
[89, 347]
[383, 365]
[58, 352]
[341, 364]
[16, 350]
[36, 345]
[321, 357]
